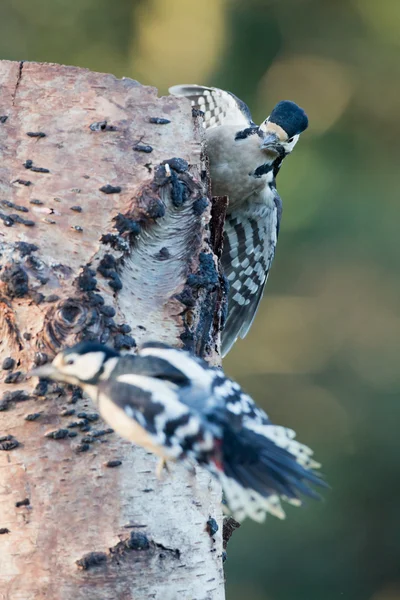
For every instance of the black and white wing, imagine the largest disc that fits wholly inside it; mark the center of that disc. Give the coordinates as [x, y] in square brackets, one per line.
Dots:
[261, 463]
[250, 238]
[219, 107]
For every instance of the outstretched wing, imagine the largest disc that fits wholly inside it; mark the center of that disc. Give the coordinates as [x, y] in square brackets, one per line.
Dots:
[260, 462]
[250, 238]
[219, 107]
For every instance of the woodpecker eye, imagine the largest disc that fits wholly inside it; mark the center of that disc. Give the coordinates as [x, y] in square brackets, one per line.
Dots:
[290, 140]
[69, 361]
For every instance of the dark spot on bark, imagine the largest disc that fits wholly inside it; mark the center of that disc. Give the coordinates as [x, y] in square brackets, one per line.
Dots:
[40, 170]
[8, 364]
[86, 280]
[163, 254]
[82, 448]
[25, 249]
[41, 388]
[102, 126]
[116, 242]
[3, 118]
[110, 189]
[7, 220]
[26, 222]
[89, 416]
[16, 396]
[101, 432]
[58, 434]
[125, 225]
[77, 228]
[25, 502]
[25, 182]
[143, 148]
[107, 311]
[212, 527]
[16, 280]
[36, 201]
[36, 134]
[9, 445]
[28, 164]
[137, 541]
[87, 440]
[187, 338]
[33, 416]
[27, 336]
[8, 204]
[68, 412]
[177, 164]
[40, 358]
[37, 297]
[179, 191]
[52, 298]
[124, 341]
[72, 434]
[95, 299]
[76, 394]
[207, 275]
[13, 377]
[107, 262]
[155, 208]
[76, 208]
[159, 120]
[160, 176]
[113, 463]
[3, 530]
[186, 297]
[199, 206]
[115, 281]
[90, 560]
[125, 328]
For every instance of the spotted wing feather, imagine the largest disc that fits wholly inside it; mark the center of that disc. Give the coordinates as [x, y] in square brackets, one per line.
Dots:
[219, 107]
[261, 462]
[250, 238]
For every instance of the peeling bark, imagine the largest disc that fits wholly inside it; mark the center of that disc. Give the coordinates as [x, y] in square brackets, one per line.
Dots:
[105, 233]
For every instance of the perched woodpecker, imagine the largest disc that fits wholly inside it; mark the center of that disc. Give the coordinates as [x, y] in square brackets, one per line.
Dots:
[173, 404]
[244, 161]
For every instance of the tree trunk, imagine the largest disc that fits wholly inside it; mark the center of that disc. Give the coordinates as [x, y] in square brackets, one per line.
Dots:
[105, 233]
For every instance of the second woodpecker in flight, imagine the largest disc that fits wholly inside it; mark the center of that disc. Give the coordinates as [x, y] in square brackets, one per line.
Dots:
[244, 161]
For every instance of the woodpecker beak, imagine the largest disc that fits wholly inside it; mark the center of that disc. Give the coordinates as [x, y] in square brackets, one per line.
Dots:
[46, 372]
[271, 142]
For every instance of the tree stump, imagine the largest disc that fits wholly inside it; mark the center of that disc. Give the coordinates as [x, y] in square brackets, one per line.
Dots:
[105, 233]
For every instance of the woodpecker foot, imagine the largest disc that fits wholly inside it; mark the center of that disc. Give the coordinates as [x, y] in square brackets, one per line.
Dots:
[161, 465]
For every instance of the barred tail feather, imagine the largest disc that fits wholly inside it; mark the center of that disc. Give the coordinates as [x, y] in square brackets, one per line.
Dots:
[257, 473]
[242, 502]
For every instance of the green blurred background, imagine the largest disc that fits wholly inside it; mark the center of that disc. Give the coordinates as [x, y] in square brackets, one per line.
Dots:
[322, 355]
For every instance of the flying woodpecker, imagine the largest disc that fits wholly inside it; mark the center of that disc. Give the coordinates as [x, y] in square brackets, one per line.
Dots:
[176, 406]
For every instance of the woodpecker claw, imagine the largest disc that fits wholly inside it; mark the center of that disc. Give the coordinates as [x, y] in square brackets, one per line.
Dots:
[161, 465]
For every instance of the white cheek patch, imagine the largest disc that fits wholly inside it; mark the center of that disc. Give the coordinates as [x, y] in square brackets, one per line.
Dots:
[85, 366]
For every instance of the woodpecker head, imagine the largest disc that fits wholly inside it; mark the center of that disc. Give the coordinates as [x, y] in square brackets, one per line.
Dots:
[282, 128]
[82, 364]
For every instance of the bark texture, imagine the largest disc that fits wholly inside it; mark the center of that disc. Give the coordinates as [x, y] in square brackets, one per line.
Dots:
[105, 233]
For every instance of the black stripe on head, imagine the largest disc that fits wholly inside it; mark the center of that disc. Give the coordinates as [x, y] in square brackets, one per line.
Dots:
[290, 117]
[87, 347]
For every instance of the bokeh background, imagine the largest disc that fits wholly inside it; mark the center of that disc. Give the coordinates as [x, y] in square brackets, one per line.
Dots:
[323, 353]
